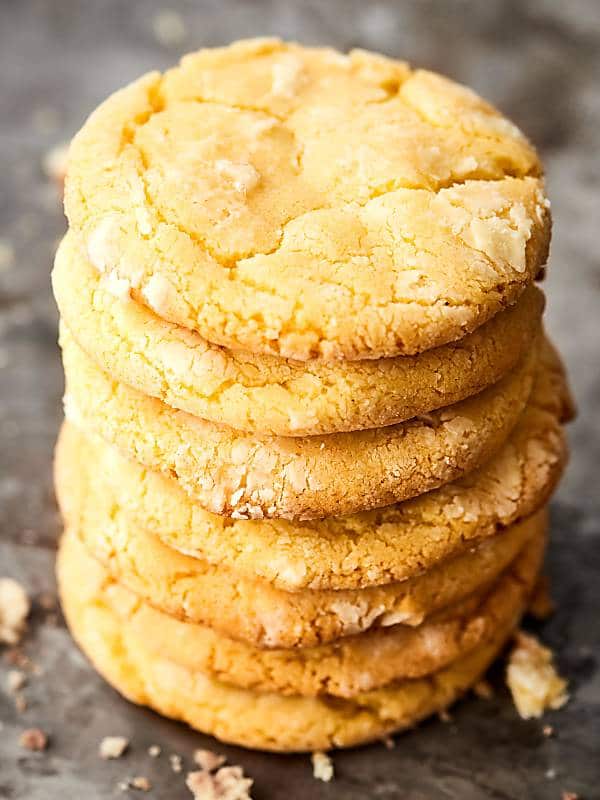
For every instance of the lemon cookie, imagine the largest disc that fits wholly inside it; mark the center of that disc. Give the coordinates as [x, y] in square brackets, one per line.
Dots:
[253, 610]
[296, 201]
[266, 394]
[236, 474]
[263, 720]
[342, 669]
[364, 549]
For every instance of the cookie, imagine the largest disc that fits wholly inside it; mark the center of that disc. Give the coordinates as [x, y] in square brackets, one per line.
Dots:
[236, 474]
[253, 610]
[375, 547]
[270, 395]
[342, 669]
[299, 202]
[262, 720]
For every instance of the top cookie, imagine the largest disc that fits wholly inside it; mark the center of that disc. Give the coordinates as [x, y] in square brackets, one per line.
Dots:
[303, 203]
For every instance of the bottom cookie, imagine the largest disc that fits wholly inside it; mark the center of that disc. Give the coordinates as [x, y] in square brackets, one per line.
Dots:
[261, 720]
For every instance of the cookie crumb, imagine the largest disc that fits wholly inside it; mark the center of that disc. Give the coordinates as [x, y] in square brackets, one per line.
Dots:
[176, 762]
[569, 796]
[483, 689]
[208, 760]
[15, 680]
[389, 743]
[168, 28]
[541, 606]
[33, 739]
[140, 782]
[550, 774]
[113, 747]
[532, 679]
[54, 163]
[548, 731]
[322, 766]
[154, 751]
[17, 658]
[445, 716]
[14, 608]
[36, 669]
[20, 703]
[228, 783]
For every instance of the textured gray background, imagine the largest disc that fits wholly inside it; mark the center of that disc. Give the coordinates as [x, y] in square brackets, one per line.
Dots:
[539, 61]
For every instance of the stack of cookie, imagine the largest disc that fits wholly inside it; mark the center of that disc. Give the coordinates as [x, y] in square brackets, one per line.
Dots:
[312, 419]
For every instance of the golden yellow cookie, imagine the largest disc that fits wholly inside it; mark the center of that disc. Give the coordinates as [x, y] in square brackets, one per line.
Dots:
[373, 547]
[342, 669]
[236, 474]
[270, 395]
[262, 720]
[253, 610]
[291, 200]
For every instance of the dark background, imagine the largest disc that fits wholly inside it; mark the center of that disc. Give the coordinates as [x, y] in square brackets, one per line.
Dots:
[540, 63]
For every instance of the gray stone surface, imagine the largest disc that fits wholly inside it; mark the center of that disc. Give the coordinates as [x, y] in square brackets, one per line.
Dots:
[539, 61]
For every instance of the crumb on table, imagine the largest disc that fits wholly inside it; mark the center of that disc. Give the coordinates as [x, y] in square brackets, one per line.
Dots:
[532, 678]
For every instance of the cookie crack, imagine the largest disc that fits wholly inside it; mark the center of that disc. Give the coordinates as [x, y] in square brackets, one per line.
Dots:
[158, 103]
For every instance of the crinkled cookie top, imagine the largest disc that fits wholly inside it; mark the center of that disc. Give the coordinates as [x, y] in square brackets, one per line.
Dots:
[304, 203]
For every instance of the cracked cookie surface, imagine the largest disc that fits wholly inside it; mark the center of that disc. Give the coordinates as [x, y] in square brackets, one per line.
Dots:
[251, 609]
[250, 477]
[343, 669]
[295, 201]
[376, 547]
[271, 395]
